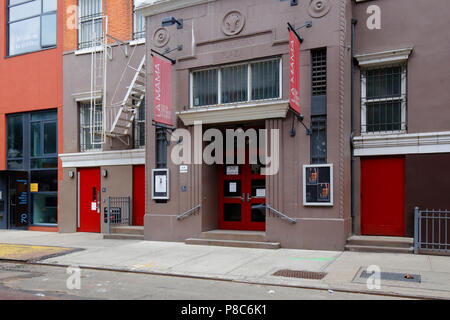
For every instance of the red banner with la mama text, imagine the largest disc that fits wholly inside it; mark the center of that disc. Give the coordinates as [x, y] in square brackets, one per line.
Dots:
[294, 72]
[162, 90]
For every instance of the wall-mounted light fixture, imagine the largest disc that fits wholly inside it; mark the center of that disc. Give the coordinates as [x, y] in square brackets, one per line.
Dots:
[71, 174]
[104, 173]
[166, 22]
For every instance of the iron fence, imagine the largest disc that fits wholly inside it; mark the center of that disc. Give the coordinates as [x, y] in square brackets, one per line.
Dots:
[431, 234]
[117, 213]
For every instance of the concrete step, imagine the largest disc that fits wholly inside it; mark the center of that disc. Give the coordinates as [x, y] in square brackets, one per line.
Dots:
[375, 241]
[128, 230]
[118, 236]
[234, 243]
[237, 235]
[378, 249]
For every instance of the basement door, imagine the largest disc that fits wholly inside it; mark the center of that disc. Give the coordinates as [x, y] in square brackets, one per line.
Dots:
[383, 196]
[89, 200]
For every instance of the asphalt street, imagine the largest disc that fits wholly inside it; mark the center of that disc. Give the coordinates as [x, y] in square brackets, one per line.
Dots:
[39, 282]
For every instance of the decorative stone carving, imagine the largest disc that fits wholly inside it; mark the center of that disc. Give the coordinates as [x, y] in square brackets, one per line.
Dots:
[161, 37]
[319, 8]
[233, 23]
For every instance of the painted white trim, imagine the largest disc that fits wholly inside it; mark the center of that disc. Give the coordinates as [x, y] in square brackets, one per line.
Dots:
[89, 50]
[103, 158]
[384, 57]
[137, 42]
[399, 144]
[154, 7]
[318, 204]
[236, 112]
[86, 96]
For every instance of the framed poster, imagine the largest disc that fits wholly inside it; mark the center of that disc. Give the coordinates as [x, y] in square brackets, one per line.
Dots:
[160, 184]
[318, 185]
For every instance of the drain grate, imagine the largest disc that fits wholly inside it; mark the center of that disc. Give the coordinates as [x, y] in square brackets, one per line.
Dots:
[393, 276]
[300, 274]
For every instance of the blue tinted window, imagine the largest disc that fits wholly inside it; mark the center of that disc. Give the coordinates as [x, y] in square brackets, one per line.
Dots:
[31, 25]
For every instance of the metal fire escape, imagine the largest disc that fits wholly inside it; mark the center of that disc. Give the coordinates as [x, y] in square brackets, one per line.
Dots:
[114, 120]
[127, 110]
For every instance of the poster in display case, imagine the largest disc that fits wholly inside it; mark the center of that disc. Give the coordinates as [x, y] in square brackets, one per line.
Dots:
[318, 185]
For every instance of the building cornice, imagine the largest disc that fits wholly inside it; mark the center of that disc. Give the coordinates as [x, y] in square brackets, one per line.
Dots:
[103, 158]
[398, 144]
[233, 113]
[384, 57]
[161, 6]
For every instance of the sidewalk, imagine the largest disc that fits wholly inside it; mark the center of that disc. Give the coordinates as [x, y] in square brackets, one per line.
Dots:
[246, 265]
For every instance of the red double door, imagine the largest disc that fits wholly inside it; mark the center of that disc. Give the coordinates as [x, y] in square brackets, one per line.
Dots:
[383, 196]
[242, 197]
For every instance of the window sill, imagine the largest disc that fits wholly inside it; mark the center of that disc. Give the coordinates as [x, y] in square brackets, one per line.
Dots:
[88, 50]
[235, 112]
[137, 42]
[383, 133]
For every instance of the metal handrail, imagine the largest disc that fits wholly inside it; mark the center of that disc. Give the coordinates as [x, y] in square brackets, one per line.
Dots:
[181, 216]
[282, 215]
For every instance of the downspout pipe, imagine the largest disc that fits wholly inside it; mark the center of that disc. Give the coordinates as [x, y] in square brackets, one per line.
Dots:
[352, 134]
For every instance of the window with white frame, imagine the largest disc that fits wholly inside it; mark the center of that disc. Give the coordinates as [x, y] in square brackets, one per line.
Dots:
[383, 99]
[90, 23]
[139, 126]
[139, 23]
[243, 82]
[88, 139]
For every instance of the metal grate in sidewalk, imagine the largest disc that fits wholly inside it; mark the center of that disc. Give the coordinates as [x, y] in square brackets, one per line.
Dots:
[311, 275]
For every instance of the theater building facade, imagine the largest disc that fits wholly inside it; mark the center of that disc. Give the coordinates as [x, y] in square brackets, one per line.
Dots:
[233, 74]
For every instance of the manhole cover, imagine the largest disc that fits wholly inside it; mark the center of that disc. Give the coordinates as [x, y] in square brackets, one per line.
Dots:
[394, 276]
[300, 274]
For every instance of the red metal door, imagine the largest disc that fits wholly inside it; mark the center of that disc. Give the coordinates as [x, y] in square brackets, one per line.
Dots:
[242, 198]
[90, 200]
[383, 196]
[138, 195]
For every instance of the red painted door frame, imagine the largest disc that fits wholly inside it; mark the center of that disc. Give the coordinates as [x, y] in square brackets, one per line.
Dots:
[138, 195]
[90, 193]
[383, 196]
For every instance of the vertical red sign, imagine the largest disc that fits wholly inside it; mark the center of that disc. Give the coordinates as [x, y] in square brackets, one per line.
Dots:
[294, 71]
[162, 90]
